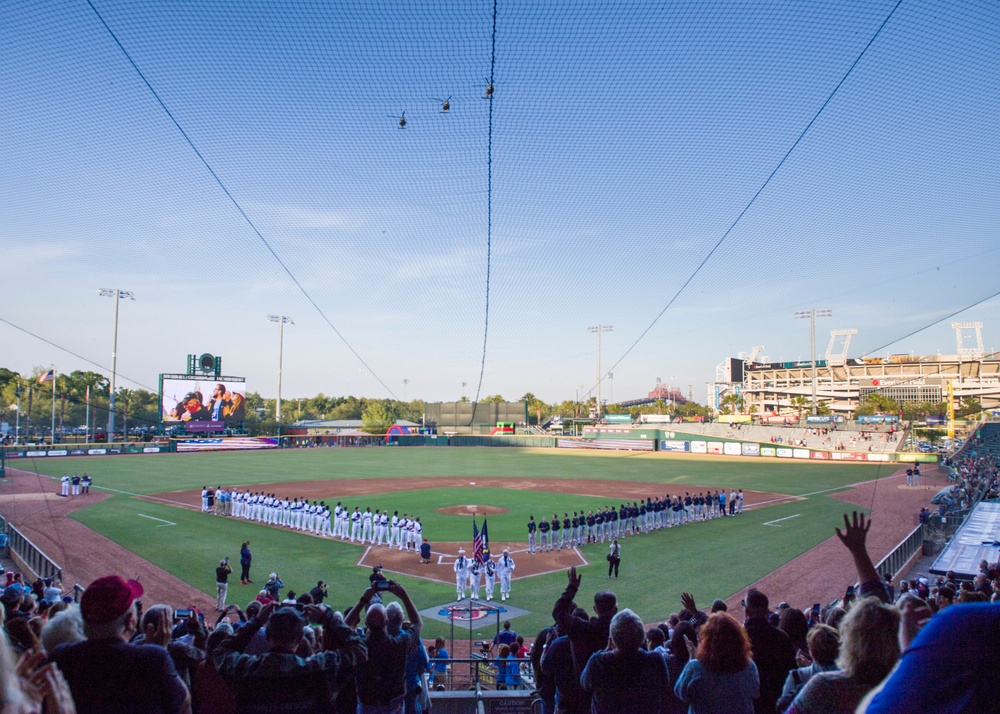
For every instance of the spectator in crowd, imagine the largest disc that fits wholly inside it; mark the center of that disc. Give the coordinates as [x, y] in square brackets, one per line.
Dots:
[509, 670]
[273, 587]
[209, 692]
[557, 663]
[318, 593]
[144, 678]
[65, 627]
[773, 653]
[794, 623]
[655, 640]
[869, 650]
[544, 683]
[824, 645]
[625, 677]
[586, 635]
[381, 680]
[279, 679]
[677, 658]
[720, 675]
[439, 671]
[187, 651]
[416, 663]
[948, 665]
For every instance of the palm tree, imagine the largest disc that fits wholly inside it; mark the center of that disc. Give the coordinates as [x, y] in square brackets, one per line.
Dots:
[800, 403]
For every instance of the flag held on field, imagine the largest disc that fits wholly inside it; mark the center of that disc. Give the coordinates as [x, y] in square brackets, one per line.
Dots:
[47, 377]
[486, 543]
[477, 542]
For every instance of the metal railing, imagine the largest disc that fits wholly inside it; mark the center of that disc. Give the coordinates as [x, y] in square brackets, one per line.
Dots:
[479, 672]
[893, 563]
[31, 556]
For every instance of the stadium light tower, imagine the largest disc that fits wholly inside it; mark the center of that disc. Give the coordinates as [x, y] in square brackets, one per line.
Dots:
[599, 329]
[117, 295]
[812, 314]
[281, 320]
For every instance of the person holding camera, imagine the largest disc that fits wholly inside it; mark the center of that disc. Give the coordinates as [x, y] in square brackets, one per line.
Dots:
[381, 682]
[222, 583]
[280, 679]
[614, 558]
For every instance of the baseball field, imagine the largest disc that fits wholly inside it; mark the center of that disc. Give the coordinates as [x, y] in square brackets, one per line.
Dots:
[144, 515]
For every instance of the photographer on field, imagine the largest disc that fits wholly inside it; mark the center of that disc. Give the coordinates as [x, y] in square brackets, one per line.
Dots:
[222, 574]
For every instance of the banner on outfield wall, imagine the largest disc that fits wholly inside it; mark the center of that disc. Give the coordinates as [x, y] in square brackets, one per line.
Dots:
[767, 451]
[233, 444]
[699, 447]
[877, 457]
[751, 449]
[674, 445]
[715, 447]
[821, 455]
[783, 452]
[732, 448]
[800, 453]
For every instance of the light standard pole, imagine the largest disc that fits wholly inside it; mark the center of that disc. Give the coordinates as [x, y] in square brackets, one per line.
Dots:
[281, 320]
[611, 387]
[117, 295]
[812, 314]
[599, 329]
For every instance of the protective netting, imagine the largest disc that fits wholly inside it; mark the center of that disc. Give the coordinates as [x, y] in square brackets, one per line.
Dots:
[231, 160]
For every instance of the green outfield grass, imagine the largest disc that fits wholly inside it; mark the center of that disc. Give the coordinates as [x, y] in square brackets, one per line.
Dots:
[713, 559]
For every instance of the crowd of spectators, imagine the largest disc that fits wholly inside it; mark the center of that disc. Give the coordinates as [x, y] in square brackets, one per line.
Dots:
[929, 648]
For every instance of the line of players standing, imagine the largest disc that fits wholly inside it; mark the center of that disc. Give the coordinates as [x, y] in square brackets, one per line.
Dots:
[630, 519]
[379, 528]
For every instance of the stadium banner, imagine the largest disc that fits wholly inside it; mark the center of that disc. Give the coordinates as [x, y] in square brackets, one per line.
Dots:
[36, 453]
[751, 449]
[618, 418]
[735, 418]
[732, 448]
[878, 419]
[877, 457]
[834, 419]
[201, 399]
[715, 447]
[674, 445]
[699, 447]
[767, 451]
[783, 452]
[58, 452]
[821, 455]
[96, 452]
[243, 443]
[846, 456]
[800, 454]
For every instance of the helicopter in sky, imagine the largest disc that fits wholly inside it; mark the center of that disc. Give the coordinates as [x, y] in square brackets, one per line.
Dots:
[401, 119]
[445, 103]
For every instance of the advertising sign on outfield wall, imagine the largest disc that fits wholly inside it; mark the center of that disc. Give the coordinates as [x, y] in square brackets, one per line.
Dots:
[751, 449]
[715, 447]
[783, 452]
[699, 447]
[800, 453]
[673, 445]
[767, 451]
[732, 448]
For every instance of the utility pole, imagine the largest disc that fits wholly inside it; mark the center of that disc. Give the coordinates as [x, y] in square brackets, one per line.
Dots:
[117, 295]
[599, 329]
[281, 320]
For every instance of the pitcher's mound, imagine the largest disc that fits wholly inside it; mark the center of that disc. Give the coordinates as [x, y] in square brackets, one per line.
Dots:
[471, 510]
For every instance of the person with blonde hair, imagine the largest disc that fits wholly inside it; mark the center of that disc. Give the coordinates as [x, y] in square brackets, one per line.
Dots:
[869, 649]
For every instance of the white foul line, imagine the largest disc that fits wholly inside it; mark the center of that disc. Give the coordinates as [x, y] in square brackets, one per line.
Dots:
[779, 520]
[154, 518]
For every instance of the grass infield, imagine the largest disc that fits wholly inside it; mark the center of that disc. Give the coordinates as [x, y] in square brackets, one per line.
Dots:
[709, 560]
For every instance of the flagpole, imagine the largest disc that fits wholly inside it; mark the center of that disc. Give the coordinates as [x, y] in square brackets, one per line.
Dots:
[17, 425]
[86, 437]
[53, 407]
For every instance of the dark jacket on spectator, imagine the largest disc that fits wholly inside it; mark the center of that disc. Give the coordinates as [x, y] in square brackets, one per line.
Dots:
[774, 656]
[557, 663]
[587, 636]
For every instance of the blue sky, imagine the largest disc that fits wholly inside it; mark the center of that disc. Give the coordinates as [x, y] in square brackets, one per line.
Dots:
[626, 139]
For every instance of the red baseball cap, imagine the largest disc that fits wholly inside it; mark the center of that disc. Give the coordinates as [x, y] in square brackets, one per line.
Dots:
[107, 598]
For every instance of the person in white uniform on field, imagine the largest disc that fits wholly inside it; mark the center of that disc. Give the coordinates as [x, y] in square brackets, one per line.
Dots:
[505, 566]
[462, 567]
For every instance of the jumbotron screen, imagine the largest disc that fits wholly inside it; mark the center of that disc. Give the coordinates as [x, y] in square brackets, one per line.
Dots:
[198, 399]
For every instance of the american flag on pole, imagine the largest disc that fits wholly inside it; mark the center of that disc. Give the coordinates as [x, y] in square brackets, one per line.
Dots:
[477, 542]
[47, 377]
